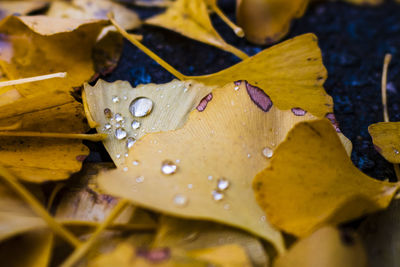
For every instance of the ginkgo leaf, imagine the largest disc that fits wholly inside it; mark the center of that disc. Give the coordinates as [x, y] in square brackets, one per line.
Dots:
[311, 164]
[326, 247]
[94, 9]
[194, 235]
[190, 18]
[108, 105]
[38, 159]
[386, 139]
[267, 21]
[247, 129]
[20, 7]
[36, 247]
[38, 45]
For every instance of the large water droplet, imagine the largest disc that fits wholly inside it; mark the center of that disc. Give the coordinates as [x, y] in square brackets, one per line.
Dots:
[130, 142]
[135, 124]
[118, 117]
[268, 152]
[141, 106]
[115, 99]
[168, 167]
[222, 184]
[217, 196]
[180, 200]
[107, 113]
[120, 133]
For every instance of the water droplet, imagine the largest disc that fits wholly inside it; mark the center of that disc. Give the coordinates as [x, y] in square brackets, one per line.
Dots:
[249, 155]
[107, 126]
[210, 178]
[115, 99]
[178, 161]
[125, 97]
[236, 88]
[222, 184]
[185, 89]
[126, 155]
[118, 125]
[125, 169]
[118, 117]
[180, 200]
[217, 196]
[135, 162]
[141, 106]
[135, 124]
[396, 152]
[130, 142]
[107, 113]
[168, 167]
[140, 179]
[120, 133]
[118, 156]
[267, 152]
[190, 186]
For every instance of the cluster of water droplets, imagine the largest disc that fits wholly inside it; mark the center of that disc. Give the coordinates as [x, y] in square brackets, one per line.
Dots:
[222, 185]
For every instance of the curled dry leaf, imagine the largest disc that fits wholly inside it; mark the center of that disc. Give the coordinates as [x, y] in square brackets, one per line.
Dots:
[190, 18]
[95, 9]
[267, 21]
[20, 7]
[196, 235]
[38, 159]
[33, 249]
[386, 139]
[328, 247]
[39, 45]
[312, 164]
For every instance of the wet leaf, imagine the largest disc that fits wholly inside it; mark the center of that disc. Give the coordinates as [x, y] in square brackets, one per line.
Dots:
[222, 135]
[196, 235]
[38, 45]
[291, 74]
[115, 98]
[20, 7]
[386, 139]
[38, 159]
[267, 21]
[95, 9]
[327, 247]
[312, 182]
[30, 250]
[381, 236]
[190, 18]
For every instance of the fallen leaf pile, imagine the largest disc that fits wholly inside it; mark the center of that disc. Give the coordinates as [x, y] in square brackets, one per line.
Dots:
[243, 167]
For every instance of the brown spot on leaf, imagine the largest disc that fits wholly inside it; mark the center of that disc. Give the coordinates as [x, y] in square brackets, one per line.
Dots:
[154, 255]
[298, 111]
[259, 97]
[203, 103]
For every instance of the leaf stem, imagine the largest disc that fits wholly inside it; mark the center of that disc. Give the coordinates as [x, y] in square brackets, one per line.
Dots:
[33, 79]
[236, 29]
[85, 247]
[89, 137]
[147, 51]
[38, 208]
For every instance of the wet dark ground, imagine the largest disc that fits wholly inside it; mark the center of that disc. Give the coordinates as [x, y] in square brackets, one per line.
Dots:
[353, 41]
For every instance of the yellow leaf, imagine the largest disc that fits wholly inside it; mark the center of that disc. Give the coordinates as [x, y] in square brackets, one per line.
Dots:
[291, 73]
[196, 235]
[386, 139]
[312, 182]
[364, 2]
[227, 139]
[30, 250]
[20, 7]
[38, 45]
[95, 9]
[167, 114]
[267, 21]
[327, 247]
[38, 159]
[190, 18]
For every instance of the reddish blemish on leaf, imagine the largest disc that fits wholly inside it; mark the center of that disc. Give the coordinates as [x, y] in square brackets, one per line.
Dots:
[237, 83]
[332, 118]
[377, 148]
[298, 111]
[81, 158]
[203, 103]
[155, 255]
[261, 99]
